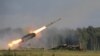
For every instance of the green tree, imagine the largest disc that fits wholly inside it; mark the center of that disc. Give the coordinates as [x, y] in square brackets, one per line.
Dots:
[92, 37]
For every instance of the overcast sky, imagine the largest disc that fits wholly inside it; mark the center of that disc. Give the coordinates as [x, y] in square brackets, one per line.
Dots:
[36, 13]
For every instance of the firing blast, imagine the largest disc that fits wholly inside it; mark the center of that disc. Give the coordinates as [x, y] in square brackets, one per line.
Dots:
[32, 34]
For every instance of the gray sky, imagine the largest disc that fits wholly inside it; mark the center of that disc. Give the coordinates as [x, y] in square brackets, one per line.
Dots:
[36, 13]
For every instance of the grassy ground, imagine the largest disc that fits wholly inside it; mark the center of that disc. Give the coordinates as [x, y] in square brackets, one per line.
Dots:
[48, 53]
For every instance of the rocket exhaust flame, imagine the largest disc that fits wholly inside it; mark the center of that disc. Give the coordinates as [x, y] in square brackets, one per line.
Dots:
[14, 43]
[30, 35]
[26, 37]
[39, 30]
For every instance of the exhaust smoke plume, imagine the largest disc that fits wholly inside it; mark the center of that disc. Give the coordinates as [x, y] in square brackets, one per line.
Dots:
[57, 37]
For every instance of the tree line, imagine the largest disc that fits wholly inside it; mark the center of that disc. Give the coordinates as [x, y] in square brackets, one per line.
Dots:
[89, 38]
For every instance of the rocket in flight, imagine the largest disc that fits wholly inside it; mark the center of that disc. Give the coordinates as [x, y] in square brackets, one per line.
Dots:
[31, 34]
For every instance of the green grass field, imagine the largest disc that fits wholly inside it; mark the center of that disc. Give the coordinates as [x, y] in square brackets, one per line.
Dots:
[48, 53]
